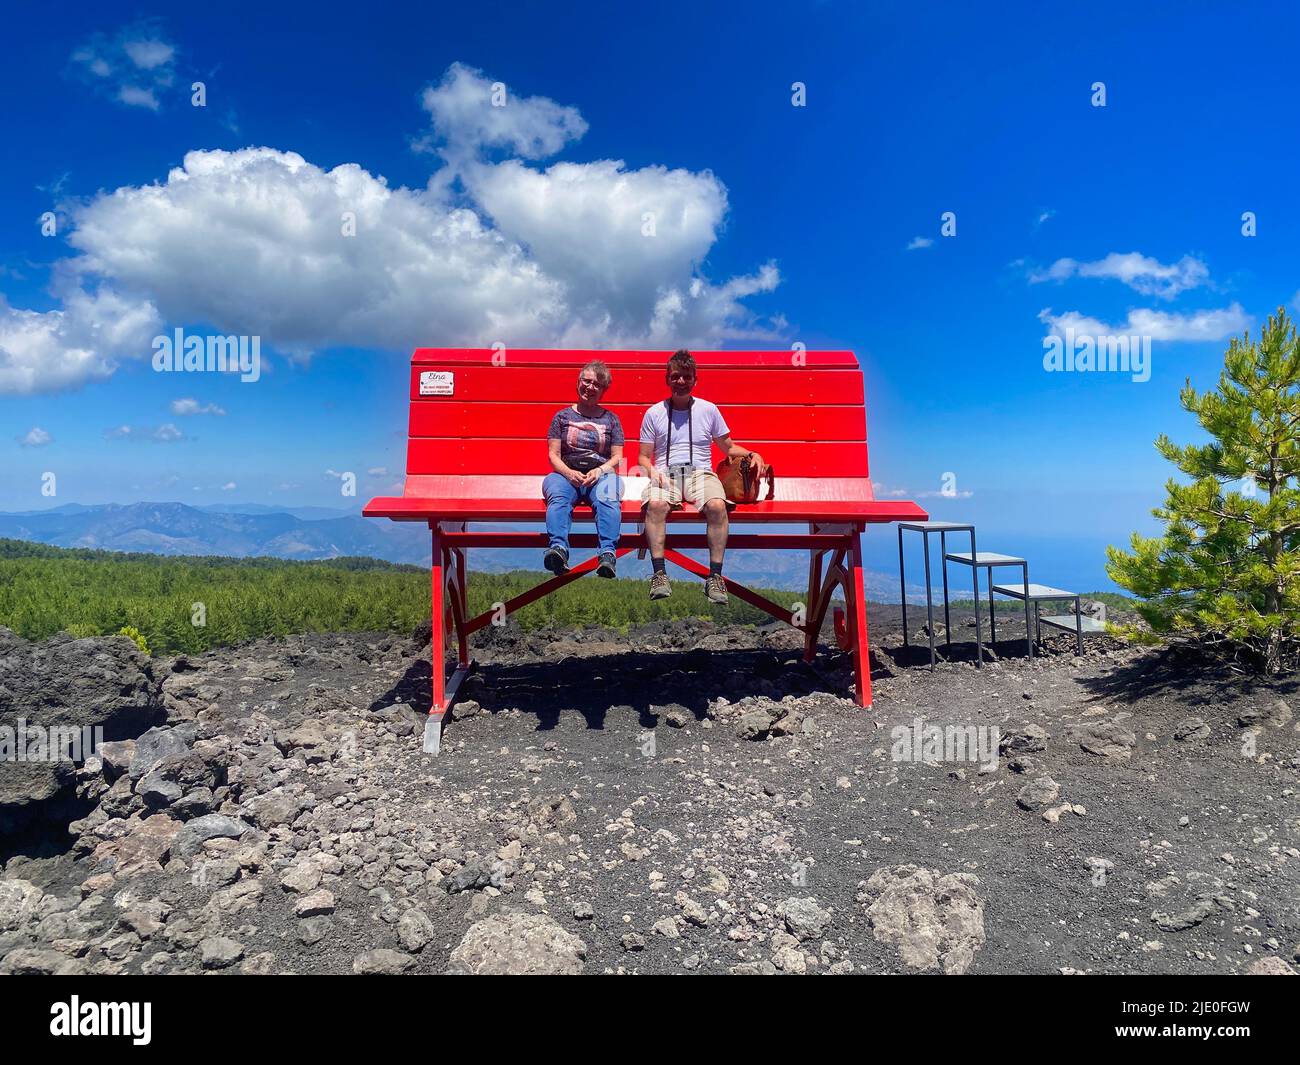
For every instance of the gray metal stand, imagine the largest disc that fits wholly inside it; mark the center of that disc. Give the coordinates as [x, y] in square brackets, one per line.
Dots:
[1036, 594]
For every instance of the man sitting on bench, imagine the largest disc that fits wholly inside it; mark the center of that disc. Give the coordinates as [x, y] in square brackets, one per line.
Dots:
[675, 439]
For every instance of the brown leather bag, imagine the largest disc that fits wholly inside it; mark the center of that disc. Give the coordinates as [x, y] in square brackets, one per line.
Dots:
[741, 481]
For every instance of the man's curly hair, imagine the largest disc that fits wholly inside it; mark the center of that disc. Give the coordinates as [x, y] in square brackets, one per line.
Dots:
[684, 361]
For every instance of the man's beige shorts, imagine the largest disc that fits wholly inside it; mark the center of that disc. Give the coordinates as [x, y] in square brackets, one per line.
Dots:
[697, 488]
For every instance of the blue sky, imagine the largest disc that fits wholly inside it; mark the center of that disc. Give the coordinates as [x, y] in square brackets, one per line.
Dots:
[802, 222]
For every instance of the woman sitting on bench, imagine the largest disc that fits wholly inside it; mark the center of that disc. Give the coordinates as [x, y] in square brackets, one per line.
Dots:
[586, 447]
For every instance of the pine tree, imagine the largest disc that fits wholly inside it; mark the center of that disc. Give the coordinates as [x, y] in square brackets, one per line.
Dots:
[1225, 571]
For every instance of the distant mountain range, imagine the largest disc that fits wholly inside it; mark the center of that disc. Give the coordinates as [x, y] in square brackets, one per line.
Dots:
[178, 529]
[249, 529]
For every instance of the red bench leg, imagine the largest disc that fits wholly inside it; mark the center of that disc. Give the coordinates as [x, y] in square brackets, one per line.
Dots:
[448, 603]
[858, 624]
[845, 571]
[437, 649]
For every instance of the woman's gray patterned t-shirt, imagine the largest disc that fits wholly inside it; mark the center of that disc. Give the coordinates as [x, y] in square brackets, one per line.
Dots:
[585, 443]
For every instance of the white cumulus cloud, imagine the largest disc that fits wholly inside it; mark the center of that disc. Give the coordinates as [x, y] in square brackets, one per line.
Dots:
[263, 242]
[964, 493]
[1158, 325]
[46, 351]
[35, 437]
[275, 262]
[161, 434]
[470, 112]
[1140, 272]
[184, 407]
[148, 53]
[136, 96]
[132, 66]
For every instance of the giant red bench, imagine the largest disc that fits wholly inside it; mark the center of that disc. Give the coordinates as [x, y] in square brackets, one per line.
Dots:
[477, 452]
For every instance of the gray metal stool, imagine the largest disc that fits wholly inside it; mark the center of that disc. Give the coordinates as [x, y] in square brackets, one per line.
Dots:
[1038, 594]
[943, 528]
[987, 560]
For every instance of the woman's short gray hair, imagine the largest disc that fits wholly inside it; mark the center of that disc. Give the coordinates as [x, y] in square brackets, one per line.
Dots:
[603, 376]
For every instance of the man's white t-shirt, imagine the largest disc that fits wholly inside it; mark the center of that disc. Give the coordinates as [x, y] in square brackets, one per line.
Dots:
[706, 423]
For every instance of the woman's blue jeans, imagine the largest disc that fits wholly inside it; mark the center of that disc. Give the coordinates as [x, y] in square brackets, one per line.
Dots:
[603, 498]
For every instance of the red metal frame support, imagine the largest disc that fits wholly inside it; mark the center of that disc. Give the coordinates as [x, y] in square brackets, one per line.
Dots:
[540, 591]
[738, 590]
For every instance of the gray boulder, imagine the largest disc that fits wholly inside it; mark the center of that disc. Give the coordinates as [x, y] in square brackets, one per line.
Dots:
[1191, 728]
[116, 755]
[19, 902]
[218, 952]
[805, 918]
[192, 836]
[154, 746]
[276, 807]
[1024, 740]
[34, 961]
[933, 920]
[1108, 740]
[518, 943]
[755, 724]
[415, 930]
[1038, 793]
[382, 962]
[157, 791]
[67, 684]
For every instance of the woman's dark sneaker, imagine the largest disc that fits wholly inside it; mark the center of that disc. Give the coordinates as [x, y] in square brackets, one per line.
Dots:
[556, 561]
[608, 564]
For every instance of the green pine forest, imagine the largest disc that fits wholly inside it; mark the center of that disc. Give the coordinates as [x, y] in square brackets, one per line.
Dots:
[45, 590]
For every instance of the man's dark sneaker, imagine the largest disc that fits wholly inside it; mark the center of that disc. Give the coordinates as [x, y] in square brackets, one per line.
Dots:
[660, 587]
[715, 589]
[556, 561]
[608, 564]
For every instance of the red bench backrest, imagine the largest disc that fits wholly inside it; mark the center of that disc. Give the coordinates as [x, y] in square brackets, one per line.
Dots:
[803, 412]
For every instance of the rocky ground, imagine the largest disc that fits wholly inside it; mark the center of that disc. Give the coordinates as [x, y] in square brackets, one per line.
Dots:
[686, 799]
